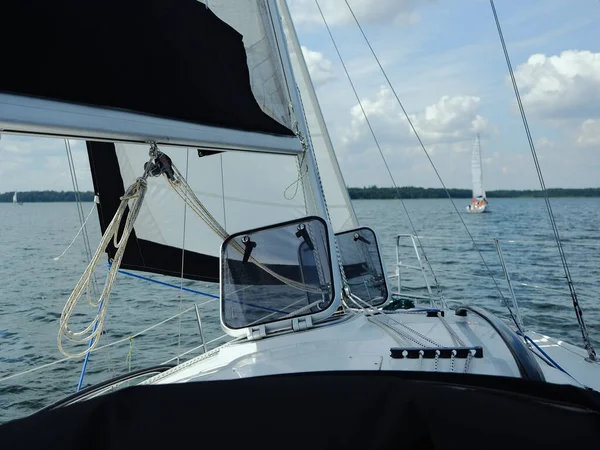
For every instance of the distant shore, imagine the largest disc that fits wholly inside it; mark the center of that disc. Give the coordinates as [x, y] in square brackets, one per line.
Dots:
[364, 193]
[411, 192]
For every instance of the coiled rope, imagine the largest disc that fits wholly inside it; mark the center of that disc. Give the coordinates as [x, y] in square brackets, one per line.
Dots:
[133, 198]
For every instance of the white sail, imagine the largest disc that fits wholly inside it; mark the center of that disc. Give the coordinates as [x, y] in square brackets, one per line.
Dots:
[477, 171]
[241, 190]
[338, 201]
[15, 197]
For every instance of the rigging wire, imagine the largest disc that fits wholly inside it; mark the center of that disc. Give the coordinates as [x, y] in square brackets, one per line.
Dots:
[422, 145]
[368, 122]
[578, 312]
[187, 166]
[80, 212]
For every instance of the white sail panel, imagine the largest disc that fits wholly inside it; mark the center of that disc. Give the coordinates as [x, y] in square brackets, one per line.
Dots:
[250, 19]
[241, 190]
[476, 171]
[338, 201]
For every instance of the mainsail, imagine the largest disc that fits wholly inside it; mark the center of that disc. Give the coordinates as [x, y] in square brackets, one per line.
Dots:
[15, 197]
[476, 171]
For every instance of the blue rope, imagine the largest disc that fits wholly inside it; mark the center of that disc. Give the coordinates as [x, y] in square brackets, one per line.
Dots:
[554, 363]
[266, 308]
[181, 288]
[87, 355]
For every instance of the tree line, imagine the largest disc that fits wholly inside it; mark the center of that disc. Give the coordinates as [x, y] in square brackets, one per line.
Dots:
[47, 196]
[371, 192]
[374, 192]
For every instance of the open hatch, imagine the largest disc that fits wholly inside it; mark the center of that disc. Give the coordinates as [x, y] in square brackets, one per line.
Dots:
[277, 277]
[363, 266]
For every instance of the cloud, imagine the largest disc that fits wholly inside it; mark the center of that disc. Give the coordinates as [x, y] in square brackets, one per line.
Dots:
[561, 86]
[589, 133]
[544, 142]
[450, 119]
[336, 12]
[28, 163]
[319, 67]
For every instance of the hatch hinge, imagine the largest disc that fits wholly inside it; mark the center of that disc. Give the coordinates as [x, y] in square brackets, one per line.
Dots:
[255, 333]
[302, 323]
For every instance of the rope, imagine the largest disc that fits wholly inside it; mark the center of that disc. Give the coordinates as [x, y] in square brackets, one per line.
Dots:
[135, 193]
[78, 232]
[578, 312]
[187, 166]
[181, 187]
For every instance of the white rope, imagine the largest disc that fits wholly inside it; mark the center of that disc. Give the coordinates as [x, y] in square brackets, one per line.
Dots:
[79, 231]
[187, 194]
[135, 193]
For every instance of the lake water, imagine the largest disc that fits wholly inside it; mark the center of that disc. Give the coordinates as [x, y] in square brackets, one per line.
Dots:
[35, 286]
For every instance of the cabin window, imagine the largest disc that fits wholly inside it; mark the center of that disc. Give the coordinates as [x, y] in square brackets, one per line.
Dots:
[275, 273]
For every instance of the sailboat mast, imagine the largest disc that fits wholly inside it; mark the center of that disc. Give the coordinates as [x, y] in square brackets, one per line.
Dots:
[308, 162]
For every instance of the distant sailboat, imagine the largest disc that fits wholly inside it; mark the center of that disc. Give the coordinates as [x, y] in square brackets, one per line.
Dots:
[479, 203]
[16, 200]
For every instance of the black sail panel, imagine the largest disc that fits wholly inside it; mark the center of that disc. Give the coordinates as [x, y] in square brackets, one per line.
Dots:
[140, 254]
[169, 58]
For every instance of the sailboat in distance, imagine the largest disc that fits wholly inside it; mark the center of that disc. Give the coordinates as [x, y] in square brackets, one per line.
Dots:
[479, 203]
[16, 200]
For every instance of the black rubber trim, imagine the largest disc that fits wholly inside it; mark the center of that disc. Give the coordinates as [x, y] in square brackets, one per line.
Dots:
[104, 384]
[528, 366]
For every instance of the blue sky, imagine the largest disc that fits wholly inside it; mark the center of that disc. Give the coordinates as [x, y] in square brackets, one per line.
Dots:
[445, 62]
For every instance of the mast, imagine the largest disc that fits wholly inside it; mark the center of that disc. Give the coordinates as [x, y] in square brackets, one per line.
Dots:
[339, 203]
[309, 162]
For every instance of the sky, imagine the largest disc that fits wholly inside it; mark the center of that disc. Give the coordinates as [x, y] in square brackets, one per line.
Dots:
[445, 62]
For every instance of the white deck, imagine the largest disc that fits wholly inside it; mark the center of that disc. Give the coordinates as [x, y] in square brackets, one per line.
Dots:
[363, 342]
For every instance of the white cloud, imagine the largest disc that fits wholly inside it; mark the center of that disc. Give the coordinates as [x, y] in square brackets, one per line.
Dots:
[449, 120]
[561, 86]
[319, 67]
[544, 142]
[28, 163]
[589, 133]
[336, 12]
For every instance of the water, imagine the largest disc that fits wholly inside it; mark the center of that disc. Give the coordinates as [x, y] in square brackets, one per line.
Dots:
[35, 287]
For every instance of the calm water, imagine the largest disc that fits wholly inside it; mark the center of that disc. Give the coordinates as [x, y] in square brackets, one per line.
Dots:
[35, 287]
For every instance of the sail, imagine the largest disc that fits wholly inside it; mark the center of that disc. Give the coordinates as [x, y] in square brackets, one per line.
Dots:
[170, 71]
[338, 201]
[242, 190]
[476, 171]
[15, 197]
